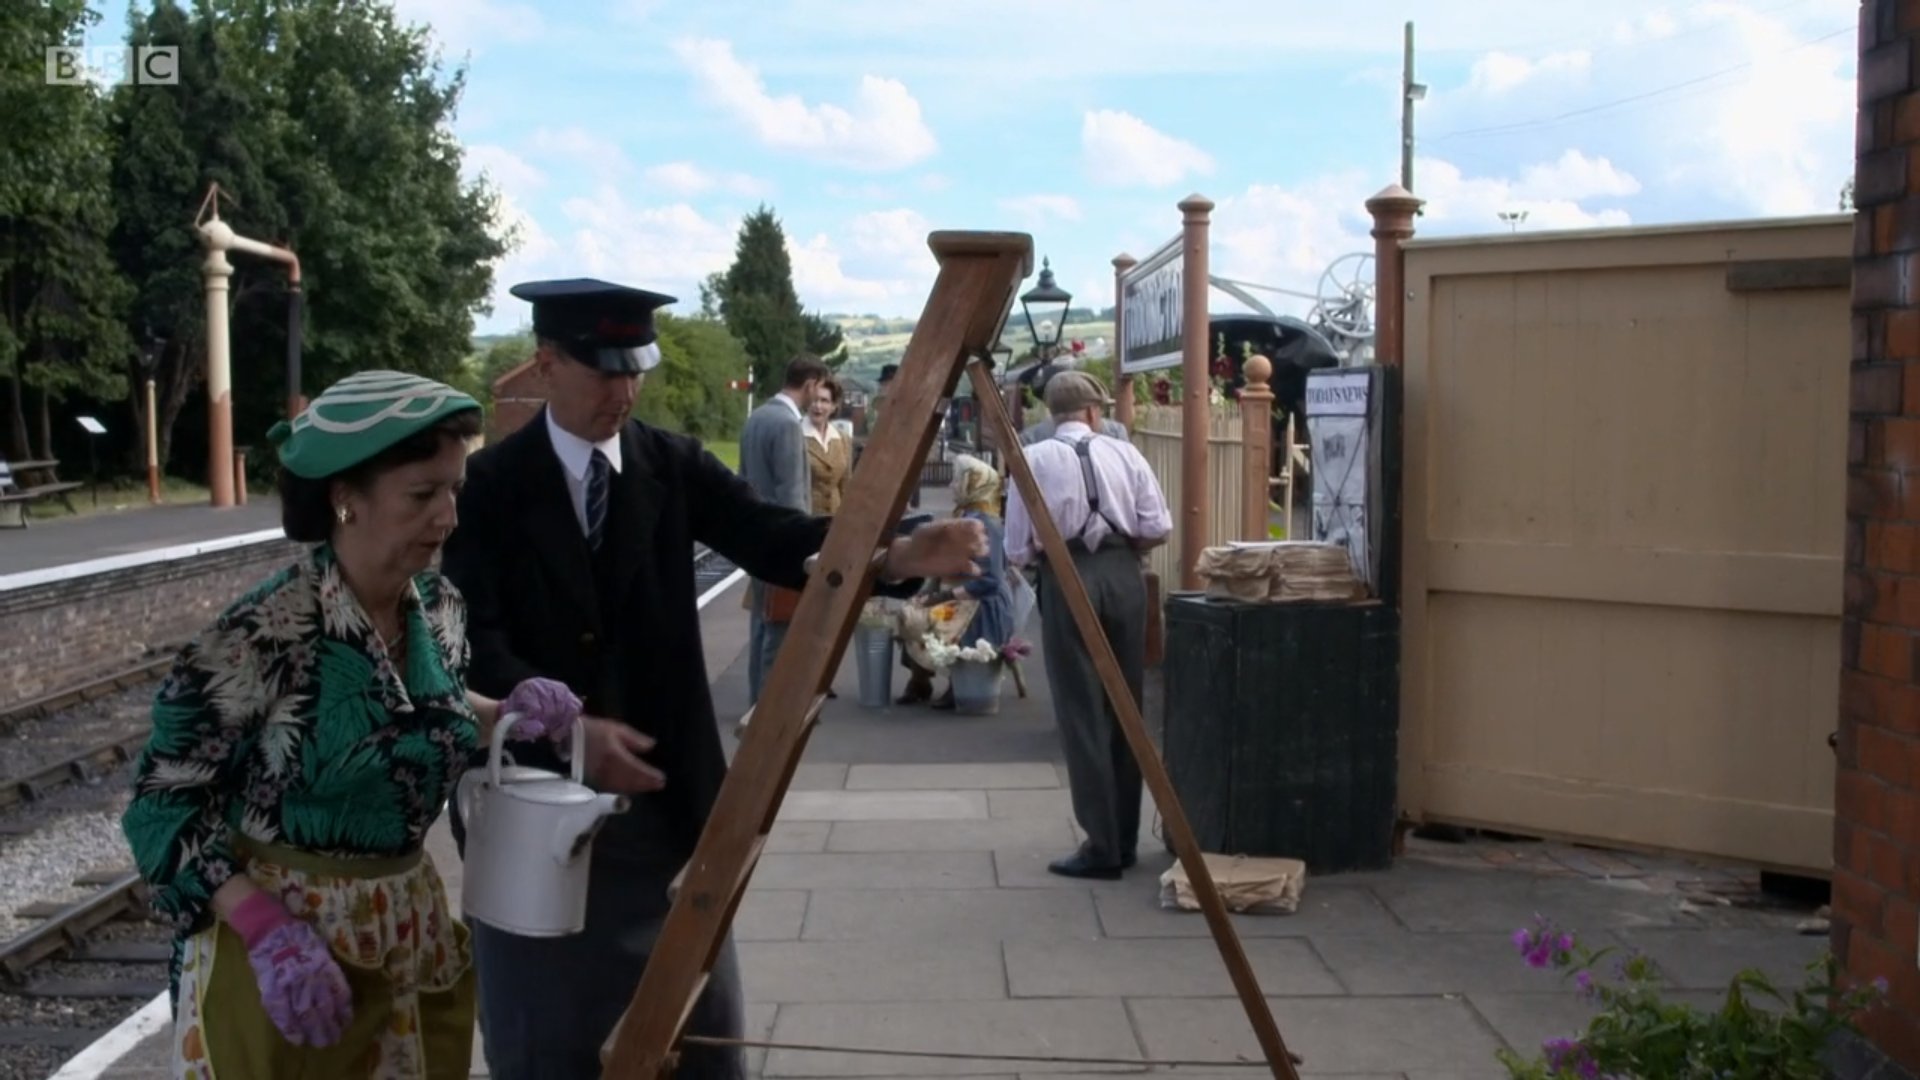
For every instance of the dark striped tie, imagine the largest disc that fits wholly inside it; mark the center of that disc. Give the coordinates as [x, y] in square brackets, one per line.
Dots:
[599, 472]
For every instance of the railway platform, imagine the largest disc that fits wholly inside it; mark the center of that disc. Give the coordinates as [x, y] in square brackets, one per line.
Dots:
[62, 542]
[904, 906]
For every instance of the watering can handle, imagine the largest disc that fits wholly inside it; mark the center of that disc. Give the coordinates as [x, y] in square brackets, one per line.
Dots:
[504, 726]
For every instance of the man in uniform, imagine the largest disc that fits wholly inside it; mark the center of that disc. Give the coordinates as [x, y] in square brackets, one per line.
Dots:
[575, 555]
[1110, 510]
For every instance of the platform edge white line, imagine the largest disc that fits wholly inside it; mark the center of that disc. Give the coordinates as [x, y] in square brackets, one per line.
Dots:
[106, 1052]
[47, 575]
[713, 594]
[93, 1062]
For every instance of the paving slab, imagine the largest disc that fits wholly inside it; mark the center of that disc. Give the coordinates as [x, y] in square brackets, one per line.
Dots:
[1160, 967]
[797, 837]
[955, 916]
[1051, 1028]
[990, 834]
[1027, 869]
[871, 971]
[883, 806]
[878, 870]
[1426, 897]
[1407, 962]
[1323, 909]
[1525, 1020]
[1709, 959]
[818, 776]
[770, 915]
[1334, 1035]
[1011, 774]
[1054, 802]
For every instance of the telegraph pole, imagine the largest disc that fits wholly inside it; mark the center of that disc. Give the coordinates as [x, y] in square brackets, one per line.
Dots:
[1410, 92]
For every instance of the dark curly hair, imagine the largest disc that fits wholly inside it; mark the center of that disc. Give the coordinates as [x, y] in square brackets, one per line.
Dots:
[306, 505]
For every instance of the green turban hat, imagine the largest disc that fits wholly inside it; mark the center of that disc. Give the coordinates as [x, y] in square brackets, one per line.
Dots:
[358, 417]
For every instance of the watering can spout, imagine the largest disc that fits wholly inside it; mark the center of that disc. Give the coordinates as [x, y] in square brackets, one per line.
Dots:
[576, 830]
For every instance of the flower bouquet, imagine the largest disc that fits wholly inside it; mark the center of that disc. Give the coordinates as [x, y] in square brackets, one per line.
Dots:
[973, 671]
[1015, 650]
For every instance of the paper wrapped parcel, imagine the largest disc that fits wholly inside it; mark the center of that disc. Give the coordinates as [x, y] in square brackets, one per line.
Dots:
[1252, 886]
[1278, 571]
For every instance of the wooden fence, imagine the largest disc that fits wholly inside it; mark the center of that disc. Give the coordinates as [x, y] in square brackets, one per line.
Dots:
[1156, 431]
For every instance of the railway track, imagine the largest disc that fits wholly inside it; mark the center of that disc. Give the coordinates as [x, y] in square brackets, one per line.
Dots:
[102, 756]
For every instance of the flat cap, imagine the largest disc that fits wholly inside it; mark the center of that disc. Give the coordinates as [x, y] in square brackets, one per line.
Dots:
[1071, 391]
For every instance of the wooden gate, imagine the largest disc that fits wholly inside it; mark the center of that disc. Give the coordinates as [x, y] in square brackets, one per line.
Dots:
[1624, 535]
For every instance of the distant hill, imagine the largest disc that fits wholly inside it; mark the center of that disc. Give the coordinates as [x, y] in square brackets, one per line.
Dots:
[874, 341]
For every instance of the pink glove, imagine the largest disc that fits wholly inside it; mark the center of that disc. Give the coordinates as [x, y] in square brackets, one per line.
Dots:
[301, 987]
[544, 707]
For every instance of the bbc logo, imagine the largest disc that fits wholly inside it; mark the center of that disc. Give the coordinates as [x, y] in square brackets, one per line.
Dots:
[113, 65]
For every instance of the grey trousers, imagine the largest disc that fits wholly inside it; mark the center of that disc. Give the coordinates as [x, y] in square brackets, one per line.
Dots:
[763, 644]
[547, 1005]
[1101, 768]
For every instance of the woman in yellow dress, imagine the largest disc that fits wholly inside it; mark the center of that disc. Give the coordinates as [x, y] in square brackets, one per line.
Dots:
[302, 746]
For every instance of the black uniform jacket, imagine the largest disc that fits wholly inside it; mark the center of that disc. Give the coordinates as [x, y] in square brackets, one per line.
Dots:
[621, 628]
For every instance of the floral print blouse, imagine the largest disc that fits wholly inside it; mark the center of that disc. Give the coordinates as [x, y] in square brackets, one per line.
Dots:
[285, 721]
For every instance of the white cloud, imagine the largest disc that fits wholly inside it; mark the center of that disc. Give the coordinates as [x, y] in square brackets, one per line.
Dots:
[882, 129]
[1123, 150]
[686, 178]
[1779, 139]
[881, 263]
[1286, 236]
[1038, 209]
[507, 170]
[469, 26]
[1500, 72]
[599, 157]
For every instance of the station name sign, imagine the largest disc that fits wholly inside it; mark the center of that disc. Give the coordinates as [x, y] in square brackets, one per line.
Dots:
[1153, 311]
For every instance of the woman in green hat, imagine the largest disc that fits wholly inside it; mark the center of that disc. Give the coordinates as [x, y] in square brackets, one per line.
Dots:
[302, 746]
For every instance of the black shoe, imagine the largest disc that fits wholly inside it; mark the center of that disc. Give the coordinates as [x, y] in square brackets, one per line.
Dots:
[1127, 860]
[1077, 865]
[944, 701]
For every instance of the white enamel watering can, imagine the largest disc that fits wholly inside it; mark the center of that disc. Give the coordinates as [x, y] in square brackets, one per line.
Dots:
[529, 838]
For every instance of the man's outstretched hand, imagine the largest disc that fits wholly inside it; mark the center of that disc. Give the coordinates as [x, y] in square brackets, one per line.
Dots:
[613, 758]
[939, 549]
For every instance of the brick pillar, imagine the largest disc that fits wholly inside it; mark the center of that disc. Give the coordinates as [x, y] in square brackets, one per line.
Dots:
[1876, 877]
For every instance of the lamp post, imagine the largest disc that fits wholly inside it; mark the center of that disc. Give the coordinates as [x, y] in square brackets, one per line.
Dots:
[1513, 218]
[1045, 306]
[150, 350]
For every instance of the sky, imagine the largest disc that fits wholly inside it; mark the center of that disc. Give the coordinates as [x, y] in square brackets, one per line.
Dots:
[627, 138]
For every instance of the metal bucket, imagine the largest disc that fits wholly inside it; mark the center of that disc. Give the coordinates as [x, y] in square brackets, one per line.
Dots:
[976, 687]
[873, 645]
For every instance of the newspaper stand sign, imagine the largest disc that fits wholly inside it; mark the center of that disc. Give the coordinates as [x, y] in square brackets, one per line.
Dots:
[1153, 311]
[1339, 413]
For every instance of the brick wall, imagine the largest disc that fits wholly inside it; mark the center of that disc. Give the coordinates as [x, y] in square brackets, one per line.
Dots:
[56, 635]
[1876, 883]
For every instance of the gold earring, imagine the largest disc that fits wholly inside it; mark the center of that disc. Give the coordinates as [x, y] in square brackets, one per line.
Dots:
[343, 514]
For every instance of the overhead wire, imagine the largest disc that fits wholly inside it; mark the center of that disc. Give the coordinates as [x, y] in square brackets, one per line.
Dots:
[1646, 95]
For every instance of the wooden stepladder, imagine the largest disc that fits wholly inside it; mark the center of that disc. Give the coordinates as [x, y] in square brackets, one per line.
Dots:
[979, 272]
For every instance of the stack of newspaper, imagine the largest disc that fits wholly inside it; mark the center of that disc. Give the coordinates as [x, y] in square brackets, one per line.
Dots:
[1280, 571]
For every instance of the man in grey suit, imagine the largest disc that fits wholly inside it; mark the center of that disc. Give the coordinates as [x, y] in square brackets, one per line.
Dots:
[773, 461]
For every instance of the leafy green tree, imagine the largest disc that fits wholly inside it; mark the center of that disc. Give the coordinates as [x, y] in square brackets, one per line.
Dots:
[758, 302]
[329, 124]
[689, 391]
[826, 340]
[61, 298]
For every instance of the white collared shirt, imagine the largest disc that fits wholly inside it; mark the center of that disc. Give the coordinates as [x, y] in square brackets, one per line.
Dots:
[576, 454]
[1130, 495]
[792, 406]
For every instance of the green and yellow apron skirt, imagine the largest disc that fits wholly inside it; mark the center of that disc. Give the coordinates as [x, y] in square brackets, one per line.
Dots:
[404, 955]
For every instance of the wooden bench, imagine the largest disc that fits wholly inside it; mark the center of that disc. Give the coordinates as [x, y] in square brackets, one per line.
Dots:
[16, 496]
